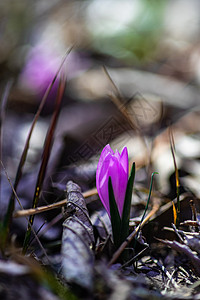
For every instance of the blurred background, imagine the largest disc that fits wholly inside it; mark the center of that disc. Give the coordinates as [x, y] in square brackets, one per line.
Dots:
[156, 36]
[150, 51]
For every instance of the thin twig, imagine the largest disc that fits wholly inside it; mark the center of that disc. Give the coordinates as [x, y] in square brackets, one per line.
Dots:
[167, 274]
[134, 258]
[37, 210]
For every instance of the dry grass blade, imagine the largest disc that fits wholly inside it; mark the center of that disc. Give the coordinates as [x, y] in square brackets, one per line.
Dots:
[2, 116]
[4, 233]
[167, 274]
[172, 145]
[45, 158]
[5, 224]
[117, 99]
[37, 210]
[26, 147]
[184, 249]
[3, 106]
[194, 212]
[174, 213]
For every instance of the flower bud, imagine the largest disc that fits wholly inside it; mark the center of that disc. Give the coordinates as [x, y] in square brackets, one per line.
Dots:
[114, 165]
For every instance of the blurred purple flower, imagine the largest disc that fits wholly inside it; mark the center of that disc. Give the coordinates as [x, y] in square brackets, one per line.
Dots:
[115, 166]
[39, 70]
[41, 66]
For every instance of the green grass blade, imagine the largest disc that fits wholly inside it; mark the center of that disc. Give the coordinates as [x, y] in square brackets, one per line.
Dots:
[146, 207]
[114, 215]
[45, 159]
[150, 189]
[127, 206]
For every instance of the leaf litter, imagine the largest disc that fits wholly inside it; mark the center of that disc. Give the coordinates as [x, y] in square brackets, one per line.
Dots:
[77, 240]
[164, 261]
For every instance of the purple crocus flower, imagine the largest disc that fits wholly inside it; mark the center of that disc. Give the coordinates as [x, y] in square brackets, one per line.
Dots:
[40, 69]
[114, 165]
[42, 64]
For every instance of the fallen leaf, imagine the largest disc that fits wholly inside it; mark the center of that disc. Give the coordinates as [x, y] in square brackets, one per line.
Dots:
[77, 240]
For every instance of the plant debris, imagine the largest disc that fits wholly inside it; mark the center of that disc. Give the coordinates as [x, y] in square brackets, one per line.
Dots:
[130, 80]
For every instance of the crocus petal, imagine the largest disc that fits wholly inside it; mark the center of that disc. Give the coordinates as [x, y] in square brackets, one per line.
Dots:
[102, 177]
[107, 149]
[115, 166]
[104, 195]
[124, 159]
[114, 171]
[117, 155]
[123, 181]
[123, 174]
